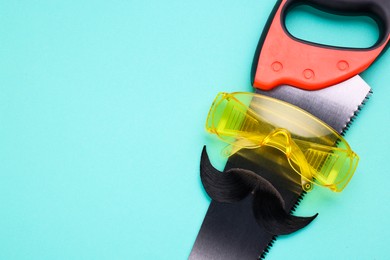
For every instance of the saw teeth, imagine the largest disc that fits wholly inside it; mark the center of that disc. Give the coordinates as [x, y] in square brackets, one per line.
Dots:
[299, 199]
[356, 112]
[267, 248]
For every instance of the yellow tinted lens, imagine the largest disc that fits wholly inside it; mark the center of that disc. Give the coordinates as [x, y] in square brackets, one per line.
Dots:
[233, 121]
[334, 167]
[251, 118]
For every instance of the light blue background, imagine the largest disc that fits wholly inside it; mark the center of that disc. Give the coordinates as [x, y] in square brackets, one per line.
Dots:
[102, 110]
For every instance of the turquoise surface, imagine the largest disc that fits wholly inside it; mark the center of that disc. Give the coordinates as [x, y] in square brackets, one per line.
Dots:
[102, 111]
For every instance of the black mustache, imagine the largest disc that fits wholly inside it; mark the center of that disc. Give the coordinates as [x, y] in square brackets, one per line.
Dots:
[268, 205]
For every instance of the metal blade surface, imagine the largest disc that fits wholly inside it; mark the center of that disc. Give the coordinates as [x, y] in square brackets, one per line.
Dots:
[229, 230]
[335, 105]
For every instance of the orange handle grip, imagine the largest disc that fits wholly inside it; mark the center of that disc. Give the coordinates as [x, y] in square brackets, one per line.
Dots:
[283, 59]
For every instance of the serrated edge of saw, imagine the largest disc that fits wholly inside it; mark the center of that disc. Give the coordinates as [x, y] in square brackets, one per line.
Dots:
[300, 198]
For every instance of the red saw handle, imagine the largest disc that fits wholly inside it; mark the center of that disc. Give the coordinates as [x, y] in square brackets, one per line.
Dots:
[283, 59]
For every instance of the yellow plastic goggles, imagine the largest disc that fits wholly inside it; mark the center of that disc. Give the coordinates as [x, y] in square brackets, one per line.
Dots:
[313, 149]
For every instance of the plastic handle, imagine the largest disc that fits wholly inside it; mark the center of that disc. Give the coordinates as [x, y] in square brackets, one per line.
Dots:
[283, 59]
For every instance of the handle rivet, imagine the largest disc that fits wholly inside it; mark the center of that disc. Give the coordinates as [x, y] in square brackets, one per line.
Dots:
[277, 66]
[308, 74]
[342, 65]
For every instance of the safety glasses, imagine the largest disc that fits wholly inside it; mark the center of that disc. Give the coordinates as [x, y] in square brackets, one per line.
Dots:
[313, 149]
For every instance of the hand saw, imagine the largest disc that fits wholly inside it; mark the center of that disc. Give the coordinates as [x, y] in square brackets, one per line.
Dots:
[228, 230]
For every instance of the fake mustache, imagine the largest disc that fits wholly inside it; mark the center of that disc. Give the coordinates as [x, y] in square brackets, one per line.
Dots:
[268, 205]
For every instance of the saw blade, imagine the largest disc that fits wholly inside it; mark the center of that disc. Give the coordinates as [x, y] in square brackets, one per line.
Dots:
[336, 105]
[229, 230]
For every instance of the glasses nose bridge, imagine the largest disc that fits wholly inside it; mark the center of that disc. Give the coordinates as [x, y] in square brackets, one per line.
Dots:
[281, 137]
